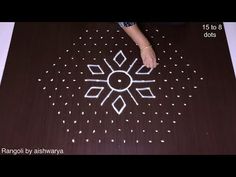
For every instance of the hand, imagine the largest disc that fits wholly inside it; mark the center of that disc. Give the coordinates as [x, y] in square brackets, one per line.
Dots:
[149, 57]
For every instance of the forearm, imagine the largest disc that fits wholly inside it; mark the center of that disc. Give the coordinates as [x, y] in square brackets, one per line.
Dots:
[137, 36]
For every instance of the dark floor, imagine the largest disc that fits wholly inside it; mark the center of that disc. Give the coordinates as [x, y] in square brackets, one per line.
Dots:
[63, 88]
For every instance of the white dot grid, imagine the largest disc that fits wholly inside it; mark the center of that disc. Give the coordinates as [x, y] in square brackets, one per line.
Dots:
[178, 62]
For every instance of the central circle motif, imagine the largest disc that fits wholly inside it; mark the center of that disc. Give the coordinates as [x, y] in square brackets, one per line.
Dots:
[119, 80]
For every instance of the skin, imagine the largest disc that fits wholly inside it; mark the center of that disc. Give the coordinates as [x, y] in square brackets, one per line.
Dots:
[146, 51]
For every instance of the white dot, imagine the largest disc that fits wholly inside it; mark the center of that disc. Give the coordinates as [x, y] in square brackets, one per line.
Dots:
[53, 104]
[181, 57]
[201, 78]
[100, 51]
[106, 112]
[39, 80]
[66, 103]
[190, 96]
[80, 132]
[96, 31]
[112, 140]
[175, 65]
[110, 51]
[72, 58]
[63, 80]
[46, 72]
[77, 104]
[156, 131]
[170, 72]
[59, 112]
[75, 121]
[187, 64]
[122, 37]
[90, 38]
[126, 44]
[108, 30]
[67, 50]
[65, 65]
[177, 80]
[171, 88]
[69, 112]
[149, 121]
[167, 113]
[143, 113]
[89, 51]
[119, 130]
[105, 43]
[81, 72]
[162, 141]
[87, 121]
[78, 51]
[67, 87]
[179, 113]
[159, 88]
[95, 112]
[59, 58]
[182, 71]
[89, 104]
[150, 141]
[195, 87]
[87, 140]
[124, 141]
[67, 130]
[60, 96]
[157, 30]
[156, 112]
[82, 113]
[69, 72]
[137, 121]
[80, 37]
[137, 141]
[99, 141]
[188, 78]
[185, 104]
[158, 44]
[183, 87]
[101, 37]
[112, 37]
[79, 88]
[44, 88]
[168, 131]
[76, 66]
[161, 121]
[131, 131]
[105, 131]
[85, 44]
[172, 104]
[127, 120]
[164, 66]
[117, 31]
[152, 37]
[159, 73]
[130, 112]
[86, 31]
[94, 131]
[194, 71]
[165, 80]
[160, 104]
[49, 96]
[58, 72]
[73, 140]
[166, 96]
[100, 121]
[130, 51]
[174, 122]
[149, 104]
[144, 131]
[95, 44]
[163, 37]
[178, 96]
[63, 121]
[83, 58]
[169, 43]
[112, 121]
[176, 51]
[146, 30]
